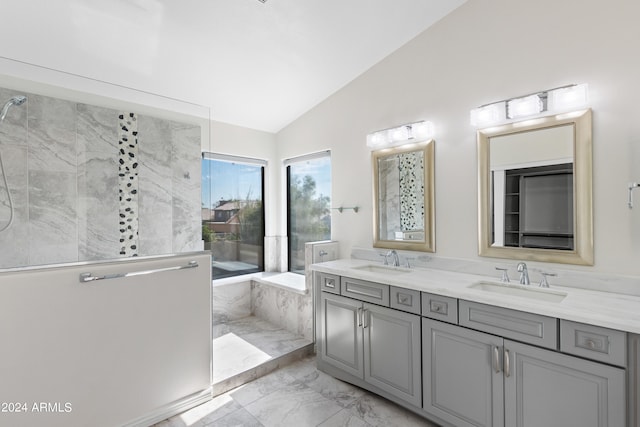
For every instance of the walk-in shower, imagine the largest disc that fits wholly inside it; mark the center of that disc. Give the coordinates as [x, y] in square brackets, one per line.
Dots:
[16, 100]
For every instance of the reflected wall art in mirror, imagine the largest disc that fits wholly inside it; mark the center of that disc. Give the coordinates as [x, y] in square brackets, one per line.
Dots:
[535, 190]
[403, 197]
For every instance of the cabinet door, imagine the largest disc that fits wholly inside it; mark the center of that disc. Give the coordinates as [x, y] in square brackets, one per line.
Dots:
[544, 388]
[341, 333]
[392, 352]
[462, 375]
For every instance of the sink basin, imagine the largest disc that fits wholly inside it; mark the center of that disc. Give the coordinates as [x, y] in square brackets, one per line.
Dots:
[383, 269]
[531, 292]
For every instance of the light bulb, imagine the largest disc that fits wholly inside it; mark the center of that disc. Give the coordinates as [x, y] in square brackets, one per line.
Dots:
[488, 114]
[422, 130]
[567, 98]
[522, 107]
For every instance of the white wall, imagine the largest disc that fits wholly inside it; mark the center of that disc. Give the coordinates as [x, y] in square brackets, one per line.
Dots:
[485, 51]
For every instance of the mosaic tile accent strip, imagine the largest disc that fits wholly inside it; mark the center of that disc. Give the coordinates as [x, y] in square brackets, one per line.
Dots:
[411, 190]
[128, 183]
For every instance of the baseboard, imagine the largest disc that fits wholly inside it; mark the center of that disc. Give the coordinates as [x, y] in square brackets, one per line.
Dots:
[172, 409]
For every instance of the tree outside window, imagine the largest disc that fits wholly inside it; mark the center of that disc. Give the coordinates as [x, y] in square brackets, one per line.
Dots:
[308, 206]
[233, 215]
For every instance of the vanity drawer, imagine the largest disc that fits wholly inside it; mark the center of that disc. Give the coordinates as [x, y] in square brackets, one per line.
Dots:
[329, 282]
[440, 308]
[593, 342]
[376, 293]
[517, 325]
[404, 299]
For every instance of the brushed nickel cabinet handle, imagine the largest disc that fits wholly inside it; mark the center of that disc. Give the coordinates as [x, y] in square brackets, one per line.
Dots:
[364, 318]
[496, 359]
[359, 316]
[507, 364]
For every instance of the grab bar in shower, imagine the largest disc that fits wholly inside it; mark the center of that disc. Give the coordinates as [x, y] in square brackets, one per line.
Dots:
[88, 277]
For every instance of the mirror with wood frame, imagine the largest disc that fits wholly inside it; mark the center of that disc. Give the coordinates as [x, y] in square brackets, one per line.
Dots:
[535, 190]
[403, 197]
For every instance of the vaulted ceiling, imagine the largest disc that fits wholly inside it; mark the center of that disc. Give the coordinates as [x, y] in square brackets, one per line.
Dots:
[258, 65]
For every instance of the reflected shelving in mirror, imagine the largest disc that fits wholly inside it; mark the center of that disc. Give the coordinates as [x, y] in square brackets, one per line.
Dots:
[535, 190]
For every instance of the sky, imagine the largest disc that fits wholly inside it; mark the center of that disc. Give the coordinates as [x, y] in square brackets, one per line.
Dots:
[241, 181]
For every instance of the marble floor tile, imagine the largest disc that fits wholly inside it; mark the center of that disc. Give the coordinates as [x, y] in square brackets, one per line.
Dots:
[248, 343]
[297, 395]
[231, 347]
[262, 387]
[276, 342]
[331, 388]
[239, 418]
[293, 405]
[379, 412]
[344, 418]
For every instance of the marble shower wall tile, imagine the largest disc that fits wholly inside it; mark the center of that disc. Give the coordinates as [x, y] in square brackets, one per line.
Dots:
[97, 129]
[53, 194]
[62, 166]
[231, 302]
[273, 305]
[305, 316]
[14, 241]
[186, 166]
[52, 134]
[283, 308]
[155, 186]
[53, 217]
[98, 230]
[170, 182]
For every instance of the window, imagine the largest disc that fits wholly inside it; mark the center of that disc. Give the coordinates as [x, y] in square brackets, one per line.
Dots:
[308, 204]
[233, 214]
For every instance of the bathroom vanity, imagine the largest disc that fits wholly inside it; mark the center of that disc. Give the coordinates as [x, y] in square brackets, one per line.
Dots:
[463, 350]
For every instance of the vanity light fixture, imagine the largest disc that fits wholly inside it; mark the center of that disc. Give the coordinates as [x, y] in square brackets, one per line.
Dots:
[567, 98]
[558, 100]
[524, 107]
[411, 132]
[488, 114]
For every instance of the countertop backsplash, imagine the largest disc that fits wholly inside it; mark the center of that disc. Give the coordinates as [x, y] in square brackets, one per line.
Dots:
[629, 285]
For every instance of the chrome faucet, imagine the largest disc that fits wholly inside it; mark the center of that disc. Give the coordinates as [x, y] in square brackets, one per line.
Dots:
[524, 274]
[396, 258]
[544, 283]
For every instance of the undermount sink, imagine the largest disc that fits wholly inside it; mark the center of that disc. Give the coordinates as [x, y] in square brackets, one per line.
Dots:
[384, 269]
[530, 291]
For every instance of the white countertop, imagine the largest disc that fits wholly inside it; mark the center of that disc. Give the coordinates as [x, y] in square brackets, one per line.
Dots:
[606, 309]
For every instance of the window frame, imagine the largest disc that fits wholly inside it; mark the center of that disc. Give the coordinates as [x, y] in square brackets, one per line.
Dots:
[287, 163]
[263, 164]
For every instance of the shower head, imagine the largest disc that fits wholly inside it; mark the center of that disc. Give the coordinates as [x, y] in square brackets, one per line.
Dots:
[16, 100]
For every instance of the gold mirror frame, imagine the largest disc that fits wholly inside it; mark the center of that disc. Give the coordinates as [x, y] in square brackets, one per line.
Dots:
[582, 253]
[428, 243]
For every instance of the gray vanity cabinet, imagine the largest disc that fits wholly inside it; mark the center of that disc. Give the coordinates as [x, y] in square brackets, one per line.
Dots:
[472, 378]
[462, 376]
[376, 344]
[392, 352]
[545, 388]
[468, 364]
[341, 333]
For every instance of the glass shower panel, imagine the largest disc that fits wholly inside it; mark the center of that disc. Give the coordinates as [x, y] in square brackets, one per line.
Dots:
[98, 180]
